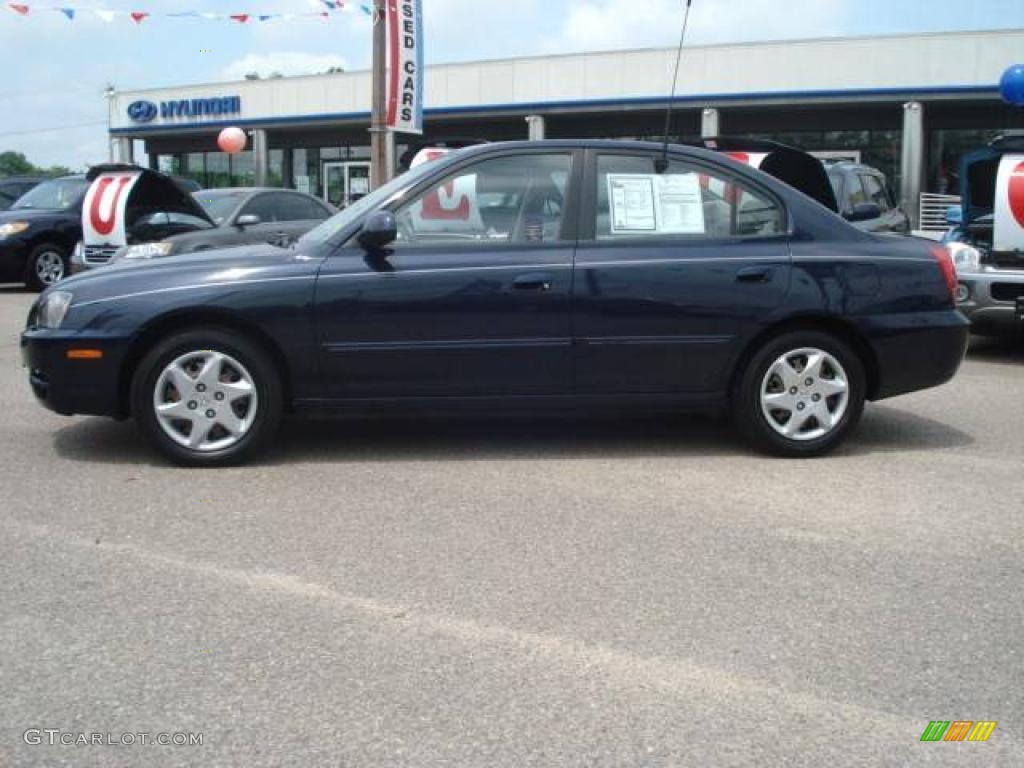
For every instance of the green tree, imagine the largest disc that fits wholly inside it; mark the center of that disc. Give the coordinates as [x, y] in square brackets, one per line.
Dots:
[15, 164]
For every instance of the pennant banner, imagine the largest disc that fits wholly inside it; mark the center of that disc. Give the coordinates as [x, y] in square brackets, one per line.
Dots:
[325, 10]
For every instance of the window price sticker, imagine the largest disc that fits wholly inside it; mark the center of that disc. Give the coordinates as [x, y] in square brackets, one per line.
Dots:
[658, 203]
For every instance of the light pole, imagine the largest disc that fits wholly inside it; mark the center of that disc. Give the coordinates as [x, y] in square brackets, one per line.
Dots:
[378, 110]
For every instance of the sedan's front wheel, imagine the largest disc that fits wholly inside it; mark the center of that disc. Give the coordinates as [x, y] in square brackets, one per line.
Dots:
[207, 397]
[801, 394]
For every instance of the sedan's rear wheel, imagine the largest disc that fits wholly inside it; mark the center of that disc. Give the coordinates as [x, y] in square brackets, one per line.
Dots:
[801, 394]
[207, 397]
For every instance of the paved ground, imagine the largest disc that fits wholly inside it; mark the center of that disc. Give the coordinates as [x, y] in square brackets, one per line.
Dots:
[515, 593]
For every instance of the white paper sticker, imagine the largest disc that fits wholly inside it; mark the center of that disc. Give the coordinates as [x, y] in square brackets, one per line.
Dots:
[658, 203]
[632, 201]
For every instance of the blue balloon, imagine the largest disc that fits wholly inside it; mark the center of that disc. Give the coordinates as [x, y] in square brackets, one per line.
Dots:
[1011, 86]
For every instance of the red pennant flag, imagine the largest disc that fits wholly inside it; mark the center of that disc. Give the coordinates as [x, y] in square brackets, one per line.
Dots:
[138, 17]
[18, 8]
[241, 18]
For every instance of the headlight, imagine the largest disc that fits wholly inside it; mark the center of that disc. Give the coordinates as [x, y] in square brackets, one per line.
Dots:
[146, 251]
[12, 228]
[965, 257]
[53, 309]
[78, 255]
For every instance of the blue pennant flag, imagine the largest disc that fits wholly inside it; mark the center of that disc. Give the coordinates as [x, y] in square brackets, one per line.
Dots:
[69, 12]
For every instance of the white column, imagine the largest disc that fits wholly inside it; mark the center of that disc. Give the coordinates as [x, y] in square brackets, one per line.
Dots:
[260, 157]
[535, 127]
[709, 123]
[912, 162]
[121, 150]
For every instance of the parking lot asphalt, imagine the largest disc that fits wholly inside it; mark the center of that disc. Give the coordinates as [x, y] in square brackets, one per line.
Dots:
[518, 592]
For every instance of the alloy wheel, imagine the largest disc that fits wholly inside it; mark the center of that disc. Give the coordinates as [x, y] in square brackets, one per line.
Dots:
[49, 267]
[804, 394]
[205, 401]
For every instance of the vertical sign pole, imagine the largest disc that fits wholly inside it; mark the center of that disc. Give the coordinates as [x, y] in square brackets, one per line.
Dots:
[378, 114]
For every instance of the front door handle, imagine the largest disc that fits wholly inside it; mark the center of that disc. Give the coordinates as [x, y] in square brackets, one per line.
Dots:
[534, 281]
[755, 275]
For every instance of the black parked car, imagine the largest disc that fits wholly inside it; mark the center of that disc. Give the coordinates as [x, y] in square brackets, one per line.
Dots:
[865, 199]
[39, 230]
[13, 187]
[556, 274]
[168, 219]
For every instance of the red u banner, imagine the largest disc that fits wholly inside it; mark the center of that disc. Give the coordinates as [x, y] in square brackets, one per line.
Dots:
[103, 211]
[405, 64]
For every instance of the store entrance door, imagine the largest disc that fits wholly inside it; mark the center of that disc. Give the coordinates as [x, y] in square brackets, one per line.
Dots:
[345, 182]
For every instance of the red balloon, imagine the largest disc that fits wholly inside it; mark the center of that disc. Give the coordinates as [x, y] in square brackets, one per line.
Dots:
[231, 140]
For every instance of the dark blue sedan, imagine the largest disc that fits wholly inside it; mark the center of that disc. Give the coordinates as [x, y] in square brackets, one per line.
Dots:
[552, 274]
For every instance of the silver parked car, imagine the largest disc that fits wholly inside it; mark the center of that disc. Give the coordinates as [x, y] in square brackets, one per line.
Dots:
[990, 265]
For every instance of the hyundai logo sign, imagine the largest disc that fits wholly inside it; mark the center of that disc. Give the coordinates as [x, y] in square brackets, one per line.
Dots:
[187, 109]
[142, 111]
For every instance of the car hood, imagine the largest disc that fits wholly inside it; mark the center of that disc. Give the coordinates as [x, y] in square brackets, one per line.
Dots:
[192, 271]
[978, 174]
[153, 193]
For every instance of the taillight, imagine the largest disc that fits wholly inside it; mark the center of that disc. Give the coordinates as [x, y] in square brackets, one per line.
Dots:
[941, 254]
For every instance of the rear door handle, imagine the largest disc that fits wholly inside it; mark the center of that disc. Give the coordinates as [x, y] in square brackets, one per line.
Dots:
[534, 281]
[755, 275]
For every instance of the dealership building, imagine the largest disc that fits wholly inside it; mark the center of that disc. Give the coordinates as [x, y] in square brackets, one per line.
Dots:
[909, 105]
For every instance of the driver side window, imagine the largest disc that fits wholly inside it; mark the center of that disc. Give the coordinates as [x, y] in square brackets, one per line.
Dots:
[505, 200]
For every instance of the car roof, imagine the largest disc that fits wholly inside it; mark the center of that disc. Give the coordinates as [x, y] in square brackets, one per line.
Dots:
[21, 179]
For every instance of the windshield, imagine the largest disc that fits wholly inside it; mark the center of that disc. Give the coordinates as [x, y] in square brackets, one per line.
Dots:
[375, 199]
[218, 205]
[53, 195]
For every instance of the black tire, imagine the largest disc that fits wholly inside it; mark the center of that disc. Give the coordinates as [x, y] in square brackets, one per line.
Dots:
[266, 381]
[751, 419]
[33, 278]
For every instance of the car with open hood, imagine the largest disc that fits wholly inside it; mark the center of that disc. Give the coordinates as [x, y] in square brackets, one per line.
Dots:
[552, 275]
[987, 244]
[149, 215]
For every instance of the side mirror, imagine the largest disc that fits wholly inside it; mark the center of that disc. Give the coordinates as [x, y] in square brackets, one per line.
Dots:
[247, 220]
[864, 212]
[955, 215]
[379, 229]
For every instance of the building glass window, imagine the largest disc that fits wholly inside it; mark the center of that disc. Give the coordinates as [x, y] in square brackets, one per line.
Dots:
[218, 170]
[275, 168]
[169, 164]
[195, 167]
[243, 173]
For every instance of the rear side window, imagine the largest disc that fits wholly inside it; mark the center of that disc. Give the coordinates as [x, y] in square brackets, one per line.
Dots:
[299, 208]
[263, 206]
[874, 188]
[687, 200]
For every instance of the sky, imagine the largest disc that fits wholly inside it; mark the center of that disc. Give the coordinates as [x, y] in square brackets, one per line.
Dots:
[53, 109]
